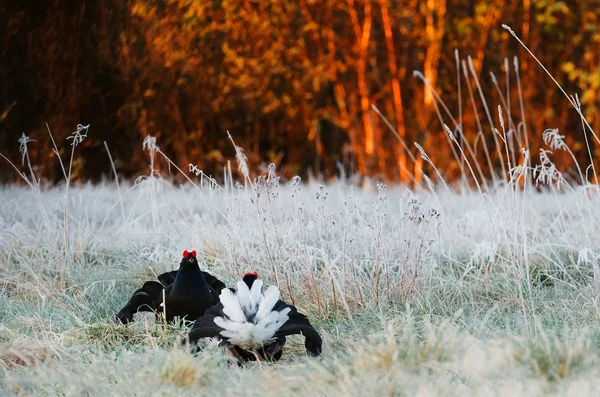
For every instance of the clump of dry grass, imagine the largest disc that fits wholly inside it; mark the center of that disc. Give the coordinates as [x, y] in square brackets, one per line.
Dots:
[183, 370]
[29, 353]
[558, 357]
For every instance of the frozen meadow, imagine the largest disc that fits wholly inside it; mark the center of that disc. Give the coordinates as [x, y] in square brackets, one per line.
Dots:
[415, 293]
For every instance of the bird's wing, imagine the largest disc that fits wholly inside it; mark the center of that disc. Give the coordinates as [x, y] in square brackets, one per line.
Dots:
[154, 289]
[167, 278]
[145, 299]
[213, 282]
[299, 324]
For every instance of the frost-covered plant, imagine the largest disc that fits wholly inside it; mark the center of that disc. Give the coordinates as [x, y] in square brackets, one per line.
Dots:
[521, 170]
[379, 209]
[153, 182]
[418, 238]
[79, 135]
[556, 142]
[265, 191]
[242, 160]
[553, 139]
[192, 168]
[23, 141]
[485, 252]
[546, 172]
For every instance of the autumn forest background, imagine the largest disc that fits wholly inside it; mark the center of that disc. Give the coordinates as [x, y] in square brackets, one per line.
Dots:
[294, 82]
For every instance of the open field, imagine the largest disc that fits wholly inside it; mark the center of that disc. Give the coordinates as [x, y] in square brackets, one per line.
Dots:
[485, 285]
[419, 293]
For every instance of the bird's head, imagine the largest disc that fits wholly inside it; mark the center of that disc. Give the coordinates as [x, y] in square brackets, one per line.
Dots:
[189, 259]
[249, 278]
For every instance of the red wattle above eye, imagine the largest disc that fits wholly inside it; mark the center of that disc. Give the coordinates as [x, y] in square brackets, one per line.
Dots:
[186, 254]
[194, 253]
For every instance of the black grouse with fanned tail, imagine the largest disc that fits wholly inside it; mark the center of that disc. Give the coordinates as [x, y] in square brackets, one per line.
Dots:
[188, 292]
[253, 324]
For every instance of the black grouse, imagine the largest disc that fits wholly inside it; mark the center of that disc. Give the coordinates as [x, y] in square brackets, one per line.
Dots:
[187, 292]
[253, 324]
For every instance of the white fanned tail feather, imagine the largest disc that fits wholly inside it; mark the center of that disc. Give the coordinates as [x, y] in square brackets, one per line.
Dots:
[250, 320]
[249, 298]
[231, 306]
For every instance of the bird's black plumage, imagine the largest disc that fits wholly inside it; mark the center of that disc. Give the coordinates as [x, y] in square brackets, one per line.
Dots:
[297, 323]
[188, 292]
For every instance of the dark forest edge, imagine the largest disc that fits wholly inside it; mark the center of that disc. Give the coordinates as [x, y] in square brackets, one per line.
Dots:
[293, 83]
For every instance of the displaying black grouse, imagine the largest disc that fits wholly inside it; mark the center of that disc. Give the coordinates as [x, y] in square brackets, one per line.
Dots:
[254, 324]
[187, 292]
